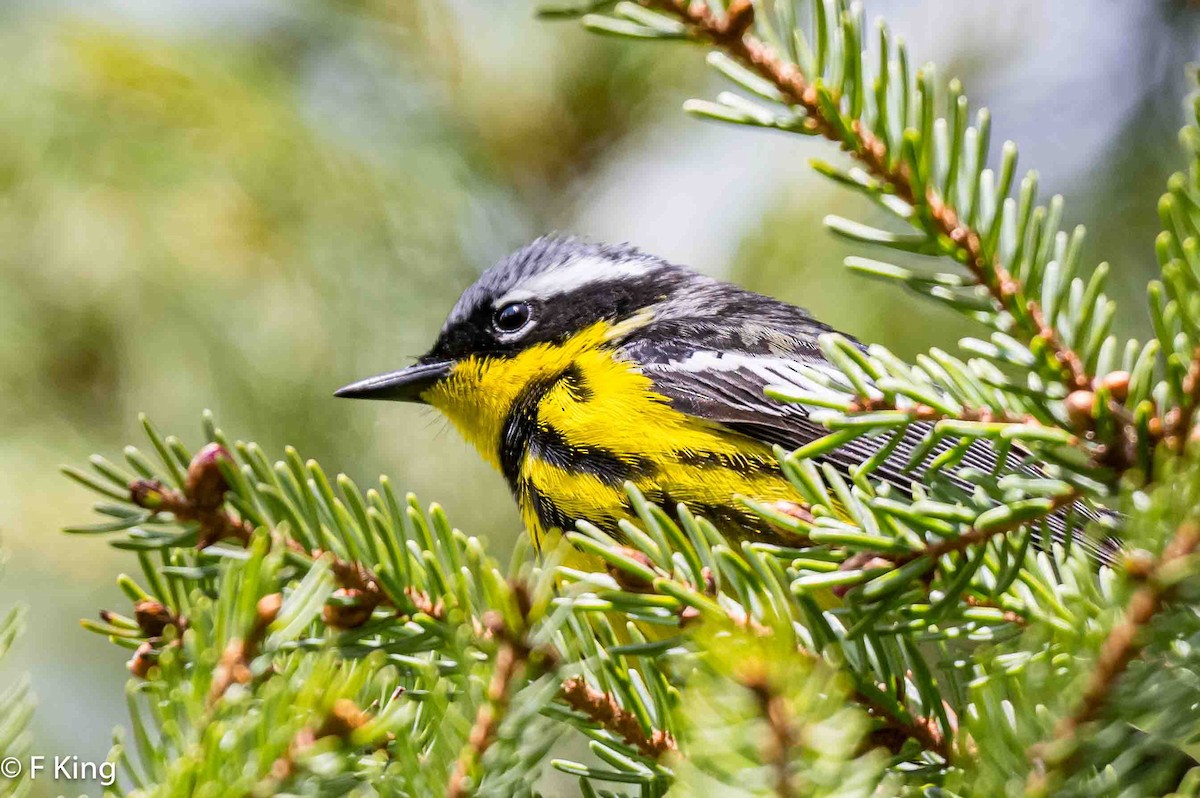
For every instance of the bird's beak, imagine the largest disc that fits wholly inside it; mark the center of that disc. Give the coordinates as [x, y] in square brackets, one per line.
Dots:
[406, 385]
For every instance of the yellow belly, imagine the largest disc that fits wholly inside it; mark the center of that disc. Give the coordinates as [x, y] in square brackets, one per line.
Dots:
[567, 423]
[708, 495]
[671, 457]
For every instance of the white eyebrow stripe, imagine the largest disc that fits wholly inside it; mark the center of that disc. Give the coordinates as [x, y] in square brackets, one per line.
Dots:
[574, 275]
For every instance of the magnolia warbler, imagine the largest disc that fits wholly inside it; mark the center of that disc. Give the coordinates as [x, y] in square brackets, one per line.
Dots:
[574, 367]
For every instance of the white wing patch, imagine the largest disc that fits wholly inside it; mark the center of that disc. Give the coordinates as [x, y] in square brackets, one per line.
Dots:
[812, 376]
[573, 275]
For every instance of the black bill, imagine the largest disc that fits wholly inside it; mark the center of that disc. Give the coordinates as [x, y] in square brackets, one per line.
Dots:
[405, 385]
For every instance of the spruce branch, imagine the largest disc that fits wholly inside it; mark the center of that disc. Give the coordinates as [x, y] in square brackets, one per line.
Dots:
[344, 718]
[892, 715]
[202, 500]
[1124, 644]
[1178, 426]
[516, 662]
[730, 31]
[1032, 511]
[300, 594]
[897, 728]
[783, 735]
[898, 724]
[234, 665]
[605, 711]
[509, 663]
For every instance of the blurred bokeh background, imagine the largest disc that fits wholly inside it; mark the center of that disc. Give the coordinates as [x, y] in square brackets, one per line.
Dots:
[243, 204]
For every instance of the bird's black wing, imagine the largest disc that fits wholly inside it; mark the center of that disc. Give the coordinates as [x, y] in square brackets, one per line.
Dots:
[718, 370]
[717, 366]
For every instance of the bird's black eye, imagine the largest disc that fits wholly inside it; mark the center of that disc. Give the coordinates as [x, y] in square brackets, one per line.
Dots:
[511, 317]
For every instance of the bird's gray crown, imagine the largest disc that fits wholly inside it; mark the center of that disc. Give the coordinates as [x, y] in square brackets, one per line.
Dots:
[553, 265]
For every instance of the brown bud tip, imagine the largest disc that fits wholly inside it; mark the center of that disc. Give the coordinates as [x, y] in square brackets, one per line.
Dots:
[143, 660]
[1079, 409]
[493, 622]
[1138, 563]
[146, 493]
[303, 739]
[350, 609]
[206, 484]
[688, 616]
[152, 617]
[628, 581]
[1155, 427]
[267, 608]
[282, 768]
[524, 601]
[343, 718]
[1117, 383]
[794, 509]
[865, 560]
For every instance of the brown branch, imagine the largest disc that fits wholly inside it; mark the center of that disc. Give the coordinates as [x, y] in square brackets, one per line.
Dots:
[514, 657]
[897, 730]
[923, 412]
[975, 535]
[730, 32]
[1124, 644]
[203, 501]
[783, 735]
[923, 730]
[234, 665]
[603, 710]
[509, 662]
[1177, 425]
[343, 720]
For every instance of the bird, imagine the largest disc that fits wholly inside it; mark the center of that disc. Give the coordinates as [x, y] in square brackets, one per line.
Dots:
[575, 367]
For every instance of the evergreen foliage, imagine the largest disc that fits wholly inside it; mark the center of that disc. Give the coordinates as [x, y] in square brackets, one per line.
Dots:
[16, 706]
[293, 634]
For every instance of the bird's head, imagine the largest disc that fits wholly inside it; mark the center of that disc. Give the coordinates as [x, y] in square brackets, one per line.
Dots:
[528, 318]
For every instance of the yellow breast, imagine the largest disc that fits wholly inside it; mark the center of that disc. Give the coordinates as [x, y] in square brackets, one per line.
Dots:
[567, 424]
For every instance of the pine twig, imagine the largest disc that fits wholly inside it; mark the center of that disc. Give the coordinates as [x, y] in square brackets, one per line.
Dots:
[976, 535]
[783, 734]
[923, 730]
[923, 412]
[203, 501]
[514, 662]
[1124, 644]
[898, 729]
[1178, 426]
[509, 662]
[234, 665]
[603, 710]
[730, 32]
[343, 719]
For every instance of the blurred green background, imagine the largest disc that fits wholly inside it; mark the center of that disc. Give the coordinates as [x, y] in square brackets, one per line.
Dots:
[244, 205]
